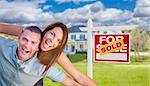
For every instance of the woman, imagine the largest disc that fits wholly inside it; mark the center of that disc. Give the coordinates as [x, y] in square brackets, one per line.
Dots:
[51, 49]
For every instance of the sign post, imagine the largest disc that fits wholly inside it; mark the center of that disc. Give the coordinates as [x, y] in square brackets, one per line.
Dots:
[89, 53]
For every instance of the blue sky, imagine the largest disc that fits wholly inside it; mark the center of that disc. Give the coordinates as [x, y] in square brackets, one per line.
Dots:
[60, 7]
[75, 12]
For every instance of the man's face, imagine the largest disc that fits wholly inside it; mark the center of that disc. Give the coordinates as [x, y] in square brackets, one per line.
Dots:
[28, 44]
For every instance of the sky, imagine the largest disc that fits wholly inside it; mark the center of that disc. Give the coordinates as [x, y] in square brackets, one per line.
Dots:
[75, 12]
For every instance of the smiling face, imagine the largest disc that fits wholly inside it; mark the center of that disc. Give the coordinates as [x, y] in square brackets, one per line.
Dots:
[51, 39]
[28, 44]
[54, 39]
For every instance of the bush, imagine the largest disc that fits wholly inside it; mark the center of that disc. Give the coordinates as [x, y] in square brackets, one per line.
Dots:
[140, 59]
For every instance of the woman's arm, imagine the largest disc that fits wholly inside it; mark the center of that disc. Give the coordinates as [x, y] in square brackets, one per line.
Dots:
[84, 80]
[11, 29]
[70, 82]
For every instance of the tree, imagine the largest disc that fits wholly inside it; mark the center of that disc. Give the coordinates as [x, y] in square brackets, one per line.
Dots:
[139, 41]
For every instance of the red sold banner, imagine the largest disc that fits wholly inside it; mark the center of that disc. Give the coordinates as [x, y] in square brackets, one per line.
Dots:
[112, 48]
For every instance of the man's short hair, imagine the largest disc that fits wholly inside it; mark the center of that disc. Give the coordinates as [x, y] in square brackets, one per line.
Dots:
[33, 29]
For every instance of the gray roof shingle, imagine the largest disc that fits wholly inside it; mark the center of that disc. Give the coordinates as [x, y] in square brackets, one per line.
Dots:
[74, 29]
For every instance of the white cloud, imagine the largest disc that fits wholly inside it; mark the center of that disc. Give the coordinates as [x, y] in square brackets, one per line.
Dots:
[74, 1]
[142, 14]
[46, 7]
[40, 1]
[114, 14]
[23, 13]
[127, 0]
[35, 1]
[142, 8]
[80, 15]
[96, 11]
[144, 23]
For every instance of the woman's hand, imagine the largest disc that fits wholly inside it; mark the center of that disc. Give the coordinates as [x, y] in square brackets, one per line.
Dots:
[70, 82]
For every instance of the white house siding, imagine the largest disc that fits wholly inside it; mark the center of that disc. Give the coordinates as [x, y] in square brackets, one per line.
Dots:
[76, 44]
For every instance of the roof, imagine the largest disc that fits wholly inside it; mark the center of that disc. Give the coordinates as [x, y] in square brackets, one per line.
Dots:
[75, 28]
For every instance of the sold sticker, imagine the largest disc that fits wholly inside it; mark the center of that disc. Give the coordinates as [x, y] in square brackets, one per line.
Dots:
[111, 47]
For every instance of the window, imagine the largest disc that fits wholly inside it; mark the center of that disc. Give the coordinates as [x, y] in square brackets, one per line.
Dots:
[73, 37]
[82, 36]
[66, 48]
[72, 48]
[81, 47]
[105, 32]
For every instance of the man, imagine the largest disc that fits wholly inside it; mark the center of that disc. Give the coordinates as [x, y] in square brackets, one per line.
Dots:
[19, 65]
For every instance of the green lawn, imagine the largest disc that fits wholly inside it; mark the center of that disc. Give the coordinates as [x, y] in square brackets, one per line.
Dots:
[134, 74]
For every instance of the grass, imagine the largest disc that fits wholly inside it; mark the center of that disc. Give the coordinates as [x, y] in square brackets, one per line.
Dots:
[106, 74]
[121, 75]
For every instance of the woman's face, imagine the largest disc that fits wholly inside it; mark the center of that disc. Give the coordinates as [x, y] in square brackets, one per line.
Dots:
[51, 39]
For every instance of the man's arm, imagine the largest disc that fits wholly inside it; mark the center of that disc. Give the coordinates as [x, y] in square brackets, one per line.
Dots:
[11, 29]
[82, 79]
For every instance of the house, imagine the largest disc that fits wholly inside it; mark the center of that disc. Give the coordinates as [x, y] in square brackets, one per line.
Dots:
[77, 40]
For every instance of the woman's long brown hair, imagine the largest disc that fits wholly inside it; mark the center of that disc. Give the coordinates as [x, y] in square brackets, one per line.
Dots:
[48, 58]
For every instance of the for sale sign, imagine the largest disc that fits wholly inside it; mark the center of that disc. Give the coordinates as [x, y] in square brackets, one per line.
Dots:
[112, 48]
